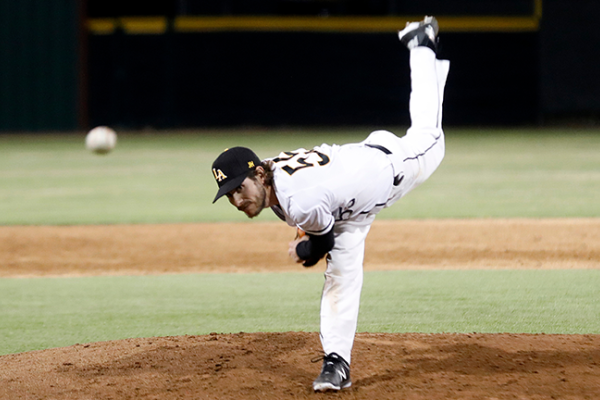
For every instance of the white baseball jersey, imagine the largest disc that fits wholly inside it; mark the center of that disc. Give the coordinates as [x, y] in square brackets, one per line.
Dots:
[318, 187]
[349, 184]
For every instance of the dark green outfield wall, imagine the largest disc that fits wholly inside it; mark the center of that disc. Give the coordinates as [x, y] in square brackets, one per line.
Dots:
[39, 65]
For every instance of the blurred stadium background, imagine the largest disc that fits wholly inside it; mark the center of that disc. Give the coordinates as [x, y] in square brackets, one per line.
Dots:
[69, 65]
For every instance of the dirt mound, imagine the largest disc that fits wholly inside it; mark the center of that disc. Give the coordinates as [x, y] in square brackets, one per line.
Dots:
[277, 366]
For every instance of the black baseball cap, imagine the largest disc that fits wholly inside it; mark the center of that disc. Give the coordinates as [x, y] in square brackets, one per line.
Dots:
[232, 167]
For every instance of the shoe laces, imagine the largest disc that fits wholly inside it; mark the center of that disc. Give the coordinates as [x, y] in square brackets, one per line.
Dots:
[329, 358]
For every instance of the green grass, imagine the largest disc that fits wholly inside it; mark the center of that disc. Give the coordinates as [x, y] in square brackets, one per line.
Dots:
[517, 173]
[156, 178]
[42, 313]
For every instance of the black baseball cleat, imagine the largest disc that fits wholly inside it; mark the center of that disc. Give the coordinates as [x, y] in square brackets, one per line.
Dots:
[335, 374]
[422, 33]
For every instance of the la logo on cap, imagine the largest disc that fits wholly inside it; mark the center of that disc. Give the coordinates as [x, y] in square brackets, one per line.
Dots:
[219, 175]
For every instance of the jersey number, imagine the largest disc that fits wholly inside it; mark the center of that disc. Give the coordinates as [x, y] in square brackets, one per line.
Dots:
[295, 161]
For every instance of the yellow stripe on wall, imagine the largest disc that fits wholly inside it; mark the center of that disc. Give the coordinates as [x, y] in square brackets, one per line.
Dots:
[101, 26]
[350, 24]
[144, 25]
[158, 25]
[130, 25]
[489, 24]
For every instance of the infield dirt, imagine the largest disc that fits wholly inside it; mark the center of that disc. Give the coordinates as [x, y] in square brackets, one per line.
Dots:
[277, 365]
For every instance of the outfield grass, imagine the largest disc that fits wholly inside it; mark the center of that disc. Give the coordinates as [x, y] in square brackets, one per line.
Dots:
[54, 312]
[156, 178]
[152, 178]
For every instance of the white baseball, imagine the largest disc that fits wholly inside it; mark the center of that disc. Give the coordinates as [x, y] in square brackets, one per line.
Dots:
[101, 139]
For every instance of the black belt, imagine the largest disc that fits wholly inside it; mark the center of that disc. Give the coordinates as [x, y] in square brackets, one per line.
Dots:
[397, 179]
[378, 147]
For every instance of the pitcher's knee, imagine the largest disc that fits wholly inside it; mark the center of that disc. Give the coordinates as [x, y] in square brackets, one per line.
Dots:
[434, 132]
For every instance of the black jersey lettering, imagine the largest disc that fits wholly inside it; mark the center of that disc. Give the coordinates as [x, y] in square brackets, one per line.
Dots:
[295, 161]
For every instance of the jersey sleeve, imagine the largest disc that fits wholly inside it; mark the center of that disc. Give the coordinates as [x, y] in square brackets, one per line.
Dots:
[314, 219]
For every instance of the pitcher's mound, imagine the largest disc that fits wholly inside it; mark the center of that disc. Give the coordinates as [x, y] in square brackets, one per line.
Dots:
[278, 366]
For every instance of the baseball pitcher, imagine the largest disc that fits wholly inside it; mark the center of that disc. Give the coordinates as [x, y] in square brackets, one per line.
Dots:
[333, 193]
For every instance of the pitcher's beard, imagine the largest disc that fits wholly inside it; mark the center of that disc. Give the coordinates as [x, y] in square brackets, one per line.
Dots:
[261, 204]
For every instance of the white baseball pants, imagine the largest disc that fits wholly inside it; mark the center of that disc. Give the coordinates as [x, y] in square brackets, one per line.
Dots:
[414, 157]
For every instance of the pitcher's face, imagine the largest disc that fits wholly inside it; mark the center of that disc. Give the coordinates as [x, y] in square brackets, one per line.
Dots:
[250, 197]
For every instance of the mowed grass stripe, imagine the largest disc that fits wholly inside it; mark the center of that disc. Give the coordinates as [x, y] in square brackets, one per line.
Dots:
[39, 313]
[166, 178]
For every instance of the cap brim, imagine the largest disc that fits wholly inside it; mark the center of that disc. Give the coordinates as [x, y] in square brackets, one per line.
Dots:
[229, 186]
